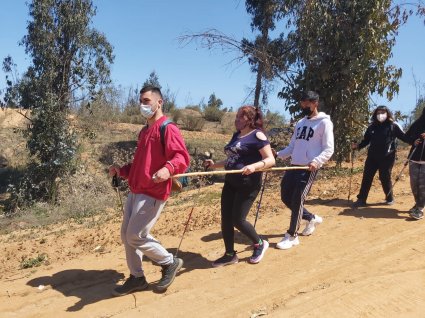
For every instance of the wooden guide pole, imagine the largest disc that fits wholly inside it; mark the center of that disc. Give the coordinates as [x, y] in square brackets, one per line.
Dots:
[207, 173]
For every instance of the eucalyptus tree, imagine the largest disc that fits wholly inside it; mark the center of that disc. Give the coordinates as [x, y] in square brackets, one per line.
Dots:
[342, 50]
[264, 14]
[153, 80]
[69, 61]
[417, 111]
[214, 102]
[262, 53]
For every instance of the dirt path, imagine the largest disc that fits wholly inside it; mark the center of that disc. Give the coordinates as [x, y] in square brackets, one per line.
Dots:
[359, 263]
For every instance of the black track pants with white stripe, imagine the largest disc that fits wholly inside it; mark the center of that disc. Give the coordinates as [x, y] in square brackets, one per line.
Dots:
[294, 188]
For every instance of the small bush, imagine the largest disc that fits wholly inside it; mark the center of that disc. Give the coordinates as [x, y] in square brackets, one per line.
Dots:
[176, 115]
[194, 107]
[213, 113]
[193, 123]
[228, 123]
[33, 262]
[131, 114]
[280, 137]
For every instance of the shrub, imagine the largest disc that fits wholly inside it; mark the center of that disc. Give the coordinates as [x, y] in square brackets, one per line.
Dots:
[193, 123]
[33, 262]
[194, 107]
[280, 137]
[213, 113]
[176, 115]
[228, 123]
[131, 114]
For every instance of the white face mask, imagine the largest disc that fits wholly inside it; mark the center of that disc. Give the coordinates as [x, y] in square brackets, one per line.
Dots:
[147, 111]
[381, 117]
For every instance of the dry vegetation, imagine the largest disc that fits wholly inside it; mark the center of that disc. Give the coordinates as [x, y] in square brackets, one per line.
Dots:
[66, 258]
[88, 192]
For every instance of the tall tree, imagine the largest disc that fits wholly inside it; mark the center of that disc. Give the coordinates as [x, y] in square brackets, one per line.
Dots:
[153, 80]
[417, 111]
[214, 102]
[342, 49]
[168, 96]
[264, 14]
[70, 60]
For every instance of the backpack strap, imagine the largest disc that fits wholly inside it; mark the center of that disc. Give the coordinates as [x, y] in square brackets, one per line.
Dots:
[162, 130]
[176, 184]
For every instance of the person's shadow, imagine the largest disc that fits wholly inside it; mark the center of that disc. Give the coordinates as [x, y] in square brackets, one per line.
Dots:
[191, 261]
[334, 202]
[370, 211]
[90, 286]
[239, 237]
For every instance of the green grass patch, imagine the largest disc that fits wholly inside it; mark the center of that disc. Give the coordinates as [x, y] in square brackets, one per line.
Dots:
[33, 262]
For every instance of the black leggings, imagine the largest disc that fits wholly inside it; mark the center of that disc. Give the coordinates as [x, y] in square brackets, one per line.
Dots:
[384, 166]
[237, 197]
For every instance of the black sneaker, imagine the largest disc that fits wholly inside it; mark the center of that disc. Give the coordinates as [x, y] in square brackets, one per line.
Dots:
[259, 251]
[226, 259]
[169, 272]
[417, 214]
[131, 285]
[413, 209]
[359, 203]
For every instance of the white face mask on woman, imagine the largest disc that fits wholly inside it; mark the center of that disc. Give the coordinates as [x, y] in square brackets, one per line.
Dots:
[381, 117]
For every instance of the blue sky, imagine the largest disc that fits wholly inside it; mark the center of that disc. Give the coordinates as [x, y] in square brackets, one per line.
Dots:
[144, 35]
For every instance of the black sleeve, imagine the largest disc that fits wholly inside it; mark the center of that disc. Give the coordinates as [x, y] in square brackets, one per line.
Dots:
[366, 139]
[401, 135]
[414, 132]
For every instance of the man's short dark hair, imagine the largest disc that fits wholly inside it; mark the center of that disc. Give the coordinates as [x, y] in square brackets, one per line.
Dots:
[310, 95]
[151, 88]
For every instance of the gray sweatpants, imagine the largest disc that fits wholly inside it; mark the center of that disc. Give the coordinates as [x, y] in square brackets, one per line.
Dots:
[140, 215]
[417, 183]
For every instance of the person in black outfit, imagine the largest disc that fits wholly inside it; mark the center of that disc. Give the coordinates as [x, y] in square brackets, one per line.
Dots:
[380, 136]
[417, 166]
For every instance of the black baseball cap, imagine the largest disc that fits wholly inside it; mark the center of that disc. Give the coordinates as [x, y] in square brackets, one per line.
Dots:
[309, 95]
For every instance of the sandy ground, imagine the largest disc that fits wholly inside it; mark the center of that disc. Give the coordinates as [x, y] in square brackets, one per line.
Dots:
[368, 262]
[359, 263]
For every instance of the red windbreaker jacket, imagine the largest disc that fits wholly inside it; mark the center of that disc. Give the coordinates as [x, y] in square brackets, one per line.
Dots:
[151, 155]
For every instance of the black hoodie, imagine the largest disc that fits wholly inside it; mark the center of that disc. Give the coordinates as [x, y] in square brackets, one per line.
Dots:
[381, 137]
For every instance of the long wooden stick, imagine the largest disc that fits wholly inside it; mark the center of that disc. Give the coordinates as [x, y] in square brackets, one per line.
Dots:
[207, 173]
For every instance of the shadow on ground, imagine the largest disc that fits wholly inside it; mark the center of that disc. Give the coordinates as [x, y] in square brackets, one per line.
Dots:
[377, 212]
[90, 286]
[191, 260]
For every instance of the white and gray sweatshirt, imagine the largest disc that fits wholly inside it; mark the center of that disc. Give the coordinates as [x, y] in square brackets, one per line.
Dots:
[312, 141]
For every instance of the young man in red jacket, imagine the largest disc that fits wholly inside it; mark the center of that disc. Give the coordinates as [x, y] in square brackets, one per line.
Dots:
[150, 185]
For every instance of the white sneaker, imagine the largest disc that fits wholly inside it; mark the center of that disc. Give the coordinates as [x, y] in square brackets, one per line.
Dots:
[311, 225]
[287, 242]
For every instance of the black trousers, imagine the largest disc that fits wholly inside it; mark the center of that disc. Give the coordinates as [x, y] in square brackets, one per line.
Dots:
[238, 195]
[295, 186]
[384, 165]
